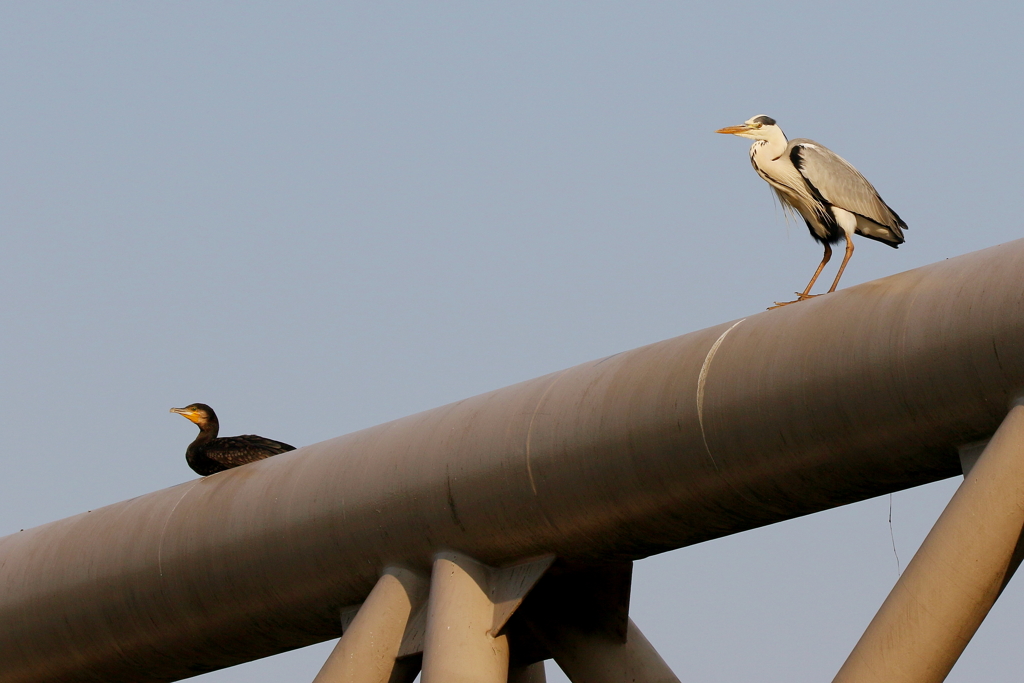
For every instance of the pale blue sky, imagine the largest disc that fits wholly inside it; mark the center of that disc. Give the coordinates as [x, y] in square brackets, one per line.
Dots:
[320, 216]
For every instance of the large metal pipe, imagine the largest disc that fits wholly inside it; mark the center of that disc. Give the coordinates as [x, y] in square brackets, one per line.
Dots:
[784, 413]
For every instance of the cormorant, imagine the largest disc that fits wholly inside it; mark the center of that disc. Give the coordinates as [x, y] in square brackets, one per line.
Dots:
[209, 454]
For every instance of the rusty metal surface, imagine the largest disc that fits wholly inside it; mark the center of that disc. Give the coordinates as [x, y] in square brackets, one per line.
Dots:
[781, 414]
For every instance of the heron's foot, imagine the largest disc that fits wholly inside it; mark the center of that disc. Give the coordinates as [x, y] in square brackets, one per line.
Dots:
[801, 296]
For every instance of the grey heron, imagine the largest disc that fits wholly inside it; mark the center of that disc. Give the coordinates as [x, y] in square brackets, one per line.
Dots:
[833, 198]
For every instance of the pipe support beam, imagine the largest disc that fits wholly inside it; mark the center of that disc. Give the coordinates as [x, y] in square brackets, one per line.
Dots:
[459, 646]
[591, 657]
[368, 651]
[956, 575]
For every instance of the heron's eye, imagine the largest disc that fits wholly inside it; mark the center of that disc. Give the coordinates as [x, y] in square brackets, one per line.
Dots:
[758, 125]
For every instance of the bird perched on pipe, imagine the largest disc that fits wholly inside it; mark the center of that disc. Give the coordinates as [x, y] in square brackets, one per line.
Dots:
[209, 454]
[833, 198]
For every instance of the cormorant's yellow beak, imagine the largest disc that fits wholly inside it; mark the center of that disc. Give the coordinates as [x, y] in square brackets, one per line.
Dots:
[734, 130]
[185, 412]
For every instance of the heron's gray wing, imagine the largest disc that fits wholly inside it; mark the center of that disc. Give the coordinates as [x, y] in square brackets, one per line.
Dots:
[841, 185]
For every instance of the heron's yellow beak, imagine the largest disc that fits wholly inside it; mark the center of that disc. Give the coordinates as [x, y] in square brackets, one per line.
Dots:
[190, 415]
[734, 130]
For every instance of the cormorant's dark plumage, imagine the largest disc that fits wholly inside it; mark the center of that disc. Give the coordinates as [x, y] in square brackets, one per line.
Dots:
[209, 454]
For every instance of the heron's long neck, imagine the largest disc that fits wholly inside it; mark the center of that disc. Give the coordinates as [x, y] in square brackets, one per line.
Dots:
[772, 148]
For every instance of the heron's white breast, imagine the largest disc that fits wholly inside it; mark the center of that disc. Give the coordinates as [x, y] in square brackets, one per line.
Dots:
[781, 174]
[777, 169]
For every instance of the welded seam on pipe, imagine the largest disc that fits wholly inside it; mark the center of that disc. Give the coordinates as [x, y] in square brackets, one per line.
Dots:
[160, 545]
[702, 379]
[529, 430]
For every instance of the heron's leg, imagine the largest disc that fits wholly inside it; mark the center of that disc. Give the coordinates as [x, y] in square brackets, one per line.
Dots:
[846, 259]
[806, 294]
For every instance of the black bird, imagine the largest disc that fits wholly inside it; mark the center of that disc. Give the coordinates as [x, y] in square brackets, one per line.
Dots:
[209, 454]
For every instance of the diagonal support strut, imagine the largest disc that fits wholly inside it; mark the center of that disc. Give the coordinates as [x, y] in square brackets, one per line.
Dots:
[369, 650]
[956, 576]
